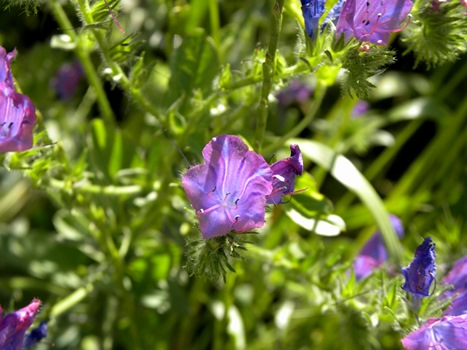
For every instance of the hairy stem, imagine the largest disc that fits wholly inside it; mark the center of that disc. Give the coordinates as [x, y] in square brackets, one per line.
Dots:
[268, 74]
[84, 56]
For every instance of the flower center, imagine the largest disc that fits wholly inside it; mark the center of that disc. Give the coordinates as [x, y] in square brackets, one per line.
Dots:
[223, 203]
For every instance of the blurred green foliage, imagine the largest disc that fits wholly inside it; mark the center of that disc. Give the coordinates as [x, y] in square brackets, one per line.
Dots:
[94, 221]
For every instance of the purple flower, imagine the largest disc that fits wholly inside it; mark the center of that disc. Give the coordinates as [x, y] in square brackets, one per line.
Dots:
[296, 93]
[284, 172]
[312, 11]
[36, 335]
[360, 108]
[67, 79]
[374, 252]
[372, 20]
[458, 305]
[422, 270]
[446, 333]
[457, 276]
[14, 325]
[17, 113]
[229, 190]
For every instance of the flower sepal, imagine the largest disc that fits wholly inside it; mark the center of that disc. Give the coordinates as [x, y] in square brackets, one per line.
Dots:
[213, 257]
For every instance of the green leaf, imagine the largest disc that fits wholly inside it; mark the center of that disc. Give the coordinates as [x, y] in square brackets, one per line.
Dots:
[193, 65]
[99, 10]
[106, 150]
[346, 173]
[311, 210]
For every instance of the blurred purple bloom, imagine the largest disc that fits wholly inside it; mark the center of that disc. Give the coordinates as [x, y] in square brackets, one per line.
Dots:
[457, 276]
[312, 11]
[422, 270]
[458, 305]
[374, 252]
[446, 333]
[360, 108]
[14, 325]
[296, 93]
[372, 20]
[284, 172]
[36, 335]
[229, 190]
[66, 80]
[17, 113]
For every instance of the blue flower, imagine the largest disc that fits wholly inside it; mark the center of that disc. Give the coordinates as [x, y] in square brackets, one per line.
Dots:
[421, 272]
[372, 20]
[14, 325]
[284, 173]
[36, 335]
[17, 112]
[229, 190]
[296, 93]
[374, 252]
[67, 79]
[448, 332]
[312, 11]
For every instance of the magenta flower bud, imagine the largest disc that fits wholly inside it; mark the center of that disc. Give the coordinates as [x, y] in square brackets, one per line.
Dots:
[421, 272]
[284, 172]
[17, 112]
[229, 190]
[372, 20]
[14, 325]
[448, 332]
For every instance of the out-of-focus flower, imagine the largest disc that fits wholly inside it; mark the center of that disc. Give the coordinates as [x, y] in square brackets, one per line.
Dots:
[17, 112]
[448, 332]
[284, 173]
[14, 325]
[296, 93]
[36, 335]
[374, 252]
[421, 272]
[457, 277]
[229, 190]
[458, 305]
[360, 108]
[66, 80]
[312, 11]
[372, 20]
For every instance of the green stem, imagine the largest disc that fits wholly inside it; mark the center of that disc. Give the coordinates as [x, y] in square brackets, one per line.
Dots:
[444, 90]
[268, 74]
[71, 300]
[414, 177]
[457, 143]
[215, 27]
[286, 73]
[319, 95]
[83, 54]
[381, 163]
[118, 75]
[96, 189]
